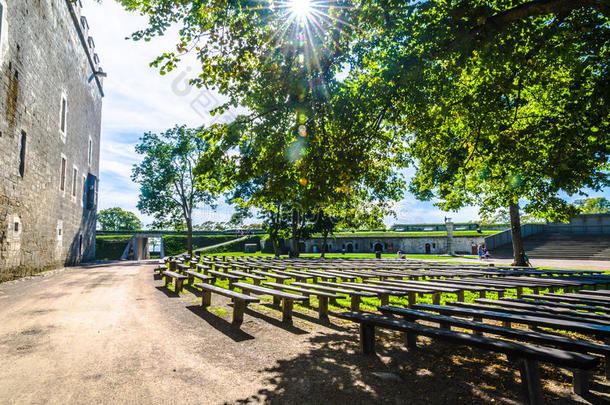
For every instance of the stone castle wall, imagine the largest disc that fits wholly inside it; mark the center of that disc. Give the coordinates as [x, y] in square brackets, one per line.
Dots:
[45, 56]
[409, 245]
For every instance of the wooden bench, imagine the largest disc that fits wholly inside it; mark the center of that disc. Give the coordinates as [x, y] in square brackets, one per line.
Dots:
[525, 355]
[276, 277]
[555, 304]
[542, 308]
[219, 274]
[178, 277]
[354, 295]
[239, 300]
[181, 268]
[522, 311]
[383, 293]
[565, 298]
[256, 279]
[539, 320]
[287, 298]
[561, 342]
[193, 274]
[322, 296]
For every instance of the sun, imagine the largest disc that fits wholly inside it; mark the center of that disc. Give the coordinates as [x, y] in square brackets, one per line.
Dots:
[301, 9]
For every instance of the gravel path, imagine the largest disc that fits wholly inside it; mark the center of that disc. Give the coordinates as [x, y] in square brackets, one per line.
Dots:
[111, 334]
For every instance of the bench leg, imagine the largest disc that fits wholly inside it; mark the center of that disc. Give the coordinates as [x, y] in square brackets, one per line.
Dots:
[500, 294]
[460, 295]
[519, 291]
[530, 380]
[323, 308]
[166, 281]
[190, 280]
[411, 339]
[581, 381]
[239, 307]
[178, 285]
[355, 303]
[206, 298]
[506, 324]
[607, 366]
[276, 301]
[367, 338]
[436, 298]
[477, 319]
[287, 311]
[412, 299]
[536, 290]
[385, 299]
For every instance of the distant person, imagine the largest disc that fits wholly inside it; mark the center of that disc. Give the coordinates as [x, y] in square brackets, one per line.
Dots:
[343, 251]
[485, 253]
[526, 259]
[480, 251]
[400, 255]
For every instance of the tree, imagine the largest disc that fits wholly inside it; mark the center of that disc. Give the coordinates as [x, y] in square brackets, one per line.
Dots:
[168, 189]
[507, 102]
[310, 138]
[117, 219]
[599, 205]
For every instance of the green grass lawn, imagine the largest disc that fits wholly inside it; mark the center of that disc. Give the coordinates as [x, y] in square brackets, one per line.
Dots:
[351, 255]
[390, 234]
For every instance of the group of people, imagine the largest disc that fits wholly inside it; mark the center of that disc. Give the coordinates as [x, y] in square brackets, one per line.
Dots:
[483, 253]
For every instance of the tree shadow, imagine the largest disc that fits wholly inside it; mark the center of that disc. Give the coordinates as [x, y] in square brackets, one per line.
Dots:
[220, 324]
[334, 371]
[168, 292]
[196, 292]
[273, 321]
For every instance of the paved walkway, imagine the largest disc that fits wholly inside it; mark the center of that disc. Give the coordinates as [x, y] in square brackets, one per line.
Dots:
[554, 263]
[111, 334]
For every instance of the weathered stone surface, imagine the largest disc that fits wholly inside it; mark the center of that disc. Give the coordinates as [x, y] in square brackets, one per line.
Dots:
[42, 58]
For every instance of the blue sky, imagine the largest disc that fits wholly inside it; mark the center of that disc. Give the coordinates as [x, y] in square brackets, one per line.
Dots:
[138, 99]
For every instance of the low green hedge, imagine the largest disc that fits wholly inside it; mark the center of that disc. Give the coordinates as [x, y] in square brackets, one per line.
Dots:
[110, 248]
[237, 246]
[176, 244]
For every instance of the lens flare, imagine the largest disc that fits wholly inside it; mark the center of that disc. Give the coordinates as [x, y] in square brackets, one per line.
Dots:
[301, 9]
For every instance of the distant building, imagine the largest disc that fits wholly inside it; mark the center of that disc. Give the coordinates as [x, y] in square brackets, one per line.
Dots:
[50, 114]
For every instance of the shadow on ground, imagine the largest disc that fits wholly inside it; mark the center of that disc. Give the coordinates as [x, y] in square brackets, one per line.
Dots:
[335, 372]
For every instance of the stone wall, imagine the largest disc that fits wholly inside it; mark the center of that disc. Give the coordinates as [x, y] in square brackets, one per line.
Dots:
[409, 245]
[45, 56]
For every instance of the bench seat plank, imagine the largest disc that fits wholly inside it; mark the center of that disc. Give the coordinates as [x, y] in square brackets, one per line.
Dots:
[594, 329]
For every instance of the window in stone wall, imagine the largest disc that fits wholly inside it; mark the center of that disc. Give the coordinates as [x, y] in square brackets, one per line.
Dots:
[82, 201]
[74, 180]
[62, 174]
[1, 17]
[64, 115]
[90, 151]
[22, 154]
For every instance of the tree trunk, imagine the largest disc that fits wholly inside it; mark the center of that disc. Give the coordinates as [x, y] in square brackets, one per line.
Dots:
[276, 247]
[189, 228]
[295, 240]
[324, 239]
[515, 230]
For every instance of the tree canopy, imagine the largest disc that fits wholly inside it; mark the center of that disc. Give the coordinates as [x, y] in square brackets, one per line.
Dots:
[168, 188]
[599, 205]
[499, 103]
[117, 219]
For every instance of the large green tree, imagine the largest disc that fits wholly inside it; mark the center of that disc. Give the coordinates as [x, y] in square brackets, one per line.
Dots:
[168, 188]
[117, 219]
[599, 205]
[507, 101]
